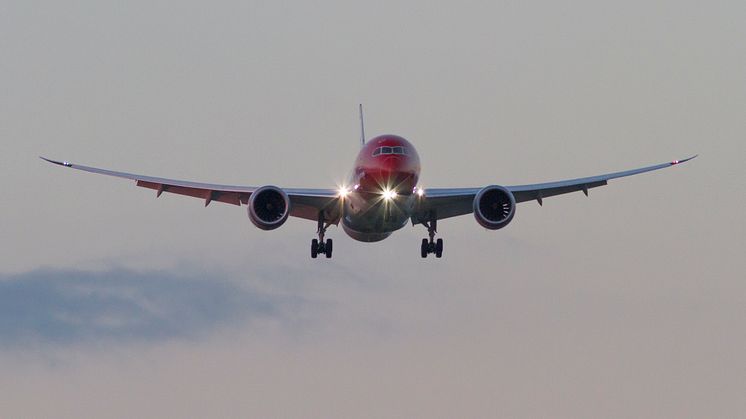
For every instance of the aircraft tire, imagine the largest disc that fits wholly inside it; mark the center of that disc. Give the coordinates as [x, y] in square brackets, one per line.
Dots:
[314, 248]
[439, 248]
[328, 248]
[424, 248]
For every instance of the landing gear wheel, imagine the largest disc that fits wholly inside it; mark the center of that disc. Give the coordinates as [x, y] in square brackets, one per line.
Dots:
[314, 248]
[328, 248]
[431, 245]
[439, 248]
[319, 246]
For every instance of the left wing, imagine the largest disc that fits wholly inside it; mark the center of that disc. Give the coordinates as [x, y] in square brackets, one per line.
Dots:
[445, 203]
[305, 203]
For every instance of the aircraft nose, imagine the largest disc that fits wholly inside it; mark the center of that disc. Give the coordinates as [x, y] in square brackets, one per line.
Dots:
[392, 171]
[393, 163]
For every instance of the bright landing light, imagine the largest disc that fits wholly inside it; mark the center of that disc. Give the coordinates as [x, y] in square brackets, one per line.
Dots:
[389, 194]
[343, 191]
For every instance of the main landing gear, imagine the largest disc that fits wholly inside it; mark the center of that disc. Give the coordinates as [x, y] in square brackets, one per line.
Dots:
[432, 245]
[318, 246]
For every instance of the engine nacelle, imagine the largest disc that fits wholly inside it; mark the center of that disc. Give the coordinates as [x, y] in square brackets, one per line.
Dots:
[494, 207]
[269, 207]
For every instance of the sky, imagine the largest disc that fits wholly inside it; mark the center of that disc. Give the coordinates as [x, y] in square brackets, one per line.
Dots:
[629, 303]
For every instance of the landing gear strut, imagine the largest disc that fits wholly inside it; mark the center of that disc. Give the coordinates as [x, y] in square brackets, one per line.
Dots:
[431, 245]
[318, 246]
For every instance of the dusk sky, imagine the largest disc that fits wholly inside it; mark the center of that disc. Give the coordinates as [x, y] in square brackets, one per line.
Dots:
[629, 303]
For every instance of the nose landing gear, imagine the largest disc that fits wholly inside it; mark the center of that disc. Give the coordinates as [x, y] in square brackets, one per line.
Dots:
[431, 245]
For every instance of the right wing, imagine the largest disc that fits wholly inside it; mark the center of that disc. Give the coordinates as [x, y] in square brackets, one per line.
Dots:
[305, 203]
[442, 203]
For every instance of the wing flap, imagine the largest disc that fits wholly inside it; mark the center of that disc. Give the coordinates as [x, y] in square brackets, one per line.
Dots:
[209, 195]
[541, 193]
[441, 203]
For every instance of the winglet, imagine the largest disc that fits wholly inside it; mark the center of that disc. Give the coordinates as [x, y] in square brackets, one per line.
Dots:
[61, 163]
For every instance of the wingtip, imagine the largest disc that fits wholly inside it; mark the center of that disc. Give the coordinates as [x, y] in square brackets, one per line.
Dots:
[61, 163]
[684, 160]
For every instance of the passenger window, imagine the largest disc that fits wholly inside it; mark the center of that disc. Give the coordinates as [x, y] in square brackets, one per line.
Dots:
[377, 152]
[398, 150]
[385, 150]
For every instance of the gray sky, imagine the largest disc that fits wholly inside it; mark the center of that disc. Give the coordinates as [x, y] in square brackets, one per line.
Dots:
[627, 304]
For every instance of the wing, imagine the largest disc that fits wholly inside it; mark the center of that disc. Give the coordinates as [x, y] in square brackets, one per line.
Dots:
[445, 203]
[305, 203]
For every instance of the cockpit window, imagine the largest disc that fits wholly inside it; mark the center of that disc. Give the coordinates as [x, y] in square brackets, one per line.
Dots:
[390, 150]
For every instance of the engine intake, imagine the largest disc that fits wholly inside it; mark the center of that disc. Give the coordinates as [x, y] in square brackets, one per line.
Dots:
[269, 207]
[494, 207]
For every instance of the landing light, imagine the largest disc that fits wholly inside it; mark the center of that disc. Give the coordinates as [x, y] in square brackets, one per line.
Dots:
[389, 194]
[420, 192]
[343, 191]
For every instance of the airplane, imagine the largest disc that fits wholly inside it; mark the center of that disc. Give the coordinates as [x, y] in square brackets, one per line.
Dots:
[381, 196]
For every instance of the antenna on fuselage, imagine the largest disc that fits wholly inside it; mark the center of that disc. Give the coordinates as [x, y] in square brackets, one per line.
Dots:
[362, 127]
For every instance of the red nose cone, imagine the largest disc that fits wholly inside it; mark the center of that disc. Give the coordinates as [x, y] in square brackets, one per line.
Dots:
[393, 163]
[387, 162]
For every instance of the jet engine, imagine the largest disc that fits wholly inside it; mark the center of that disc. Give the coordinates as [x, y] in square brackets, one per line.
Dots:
[269, 207]
[494, 207]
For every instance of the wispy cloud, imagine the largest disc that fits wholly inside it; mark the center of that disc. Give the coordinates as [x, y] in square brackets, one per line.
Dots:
[66, 306]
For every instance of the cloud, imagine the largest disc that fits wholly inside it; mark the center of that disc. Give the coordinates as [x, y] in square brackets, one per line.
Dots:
[66, 306]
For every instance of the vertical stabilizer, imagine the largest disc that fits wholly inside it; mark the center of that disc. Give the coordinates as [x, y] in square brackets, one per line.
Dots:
[362, 127]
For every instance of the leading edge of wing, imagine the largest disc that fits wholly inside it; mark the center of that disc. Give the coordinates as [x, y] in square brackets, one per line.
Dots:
[155, 180]
[301, 194]
[465, 192]
[596, 179]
